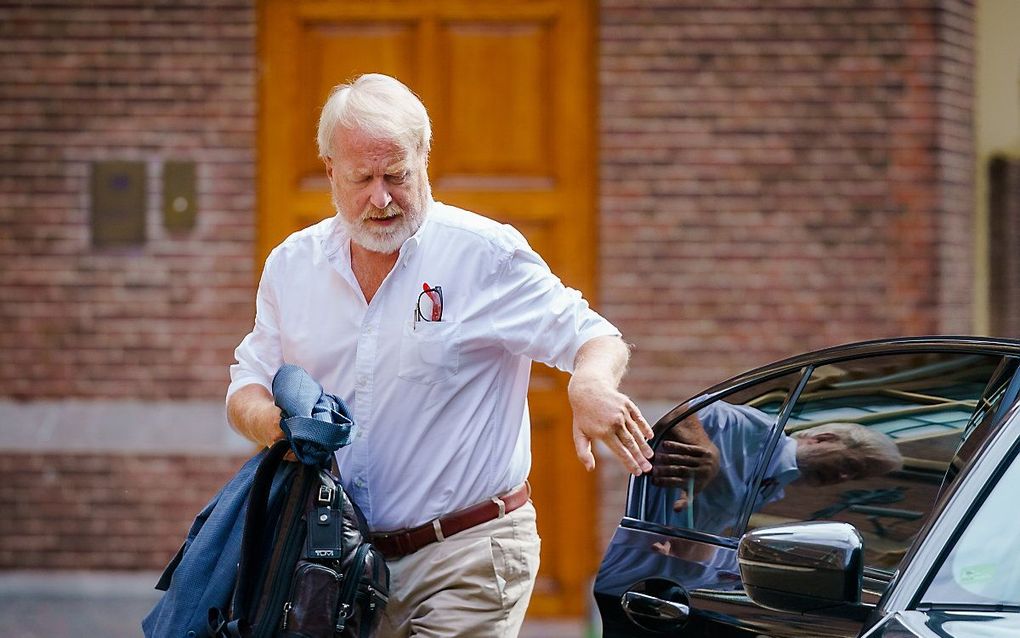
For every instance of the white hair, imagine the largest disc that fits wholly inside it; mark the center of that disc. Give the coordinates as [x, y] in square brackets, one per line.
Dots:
[878, 449]
[379, 106]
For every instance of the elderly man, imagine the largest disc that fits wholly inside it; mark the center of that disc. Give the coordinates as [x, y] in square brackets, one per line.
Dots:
[425, 319]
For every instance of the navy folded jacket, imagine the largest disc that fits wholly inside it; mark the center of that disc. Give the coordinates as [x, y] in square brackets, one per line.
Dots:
[203, 572]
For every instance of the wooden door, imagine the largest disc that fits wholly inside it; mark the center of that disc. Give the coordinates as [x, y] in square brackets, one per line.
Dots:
[509, 87]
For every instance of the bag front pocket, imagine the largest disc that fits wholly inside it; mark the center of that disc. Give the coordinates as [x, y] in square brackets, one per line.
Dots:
[311, 608]
[429, 351]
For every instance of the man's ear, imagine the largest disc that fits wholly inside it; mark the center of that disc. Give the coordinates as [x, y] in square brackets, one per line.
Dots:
[329, 167]
[825, 436]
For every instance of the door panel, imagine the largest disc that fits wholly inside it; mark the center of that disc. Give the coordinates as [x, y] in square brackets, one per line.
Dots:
[520, 146]
[509, 88]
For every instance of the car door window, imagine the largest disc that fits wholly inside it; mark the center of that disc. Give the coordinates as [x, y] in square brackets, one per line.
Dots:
[981, 568]
[1000, 393]
[872, 441]
[707, 461]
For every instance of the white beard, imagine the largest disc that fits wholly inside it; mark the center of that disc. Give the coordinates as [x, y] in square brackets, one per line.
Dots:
[386, 240]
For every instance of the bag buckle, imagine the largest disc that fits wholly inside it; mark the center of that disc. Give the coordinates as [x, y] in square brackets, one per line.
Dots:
[327, 490]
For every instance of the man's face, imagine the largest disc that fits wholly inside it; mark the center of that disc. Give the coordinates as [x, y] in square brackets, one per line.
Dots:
[380, 193]
[823, 459]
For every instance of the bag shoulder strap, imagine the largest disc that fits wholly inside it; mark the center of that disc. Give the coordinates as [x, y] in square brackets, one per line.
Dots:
[255, 528]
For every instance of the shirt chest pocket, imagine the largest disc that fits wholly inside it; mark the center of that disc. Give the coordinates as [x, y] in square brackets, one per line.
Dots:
[429, 351]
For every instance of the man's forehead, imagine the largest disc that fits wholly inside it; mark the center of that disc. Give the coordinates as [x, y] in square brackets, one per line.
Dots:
[374, 156]
[365, 166]
[359, 142]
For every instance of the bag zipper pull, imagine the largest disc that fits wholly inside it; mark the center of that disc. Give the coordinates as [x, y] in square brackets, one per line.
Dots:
[286, 612]
[341, 619]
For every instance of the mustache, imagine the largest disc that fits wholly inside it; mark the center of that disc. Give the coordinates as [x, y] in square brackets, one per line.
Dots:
[371, 212]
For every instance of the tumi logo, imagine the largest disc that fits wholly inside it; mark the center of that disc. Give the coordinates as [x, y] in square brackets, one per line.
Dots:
[325, 553]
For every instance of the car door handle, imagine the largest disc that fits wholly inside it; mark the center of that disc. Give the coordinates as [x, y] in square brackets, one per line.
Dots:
[653, 608]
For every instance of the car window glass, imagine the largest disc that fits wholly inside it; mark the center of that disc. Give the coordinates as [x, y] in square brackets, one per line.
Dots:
[872, 440]
[713, 454]
[981, 568]
[1000, 393]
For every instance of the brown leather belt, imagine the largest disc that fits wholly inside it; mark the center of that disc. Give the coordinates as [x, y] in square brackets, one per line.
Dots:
[407, 541]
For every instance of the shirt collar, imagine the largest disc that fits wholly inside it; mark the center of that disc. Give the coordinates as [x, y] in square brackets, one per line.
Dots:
[335, 239]
[412, 243]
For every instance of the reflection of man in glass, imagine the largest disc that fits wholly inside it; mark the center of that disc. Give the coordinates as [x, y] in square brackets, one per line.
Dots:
[716, 452]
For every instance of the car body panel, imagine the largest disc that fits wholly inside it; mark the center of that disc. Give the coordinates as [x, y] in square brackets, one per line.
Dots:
[956, 624]
[702, 568]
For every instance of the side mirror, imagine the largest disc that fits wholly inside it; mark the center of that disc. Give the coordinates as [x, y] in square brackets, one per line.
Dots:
[803, 567]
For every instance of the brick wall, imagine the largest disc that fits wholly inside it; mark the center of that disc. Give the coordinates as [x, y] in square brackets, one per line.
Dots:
[146, 81]
[774, 177]
[150, 81]
[91, 511]
[779, 177]
[954, 149]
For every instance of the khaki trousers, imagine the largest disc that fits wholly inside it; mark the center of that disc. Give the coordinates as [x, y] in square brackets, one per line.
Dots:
[475, 583]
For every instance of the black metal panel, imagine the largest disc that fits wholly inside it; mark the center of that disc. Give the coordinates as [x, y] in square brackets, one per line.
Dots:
[118, 196]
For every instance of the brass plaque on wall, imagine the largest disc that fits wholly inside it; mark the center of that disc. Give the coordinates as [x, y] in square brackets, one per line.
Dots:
[180, 204]
[118, 193]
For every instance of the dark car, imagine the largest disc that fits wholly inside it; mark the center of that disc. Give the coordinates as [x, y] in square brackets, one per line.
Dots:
[864, 490]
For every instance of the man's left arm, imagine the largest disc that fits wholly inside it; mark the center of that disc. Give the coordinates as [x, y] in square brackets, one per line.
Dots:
[603, 413]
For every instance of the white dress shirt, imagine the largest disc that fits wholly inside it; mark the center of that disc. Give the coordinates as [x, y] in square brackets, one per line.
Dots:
[440, 407]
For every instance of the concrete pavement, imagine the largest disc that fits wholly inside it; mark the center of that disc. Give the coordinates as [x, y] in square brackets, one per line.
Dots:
[112, 604]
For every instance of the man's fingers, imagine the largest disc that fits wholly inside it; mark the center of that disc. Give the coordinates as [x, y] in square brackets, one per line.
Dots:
[626, 449]
[633, 450]
[635, 432]
[688, 449]
[639, 419]
[582, 445]
[680, 503]
[672, 470]
[671, 461]
[669, 481]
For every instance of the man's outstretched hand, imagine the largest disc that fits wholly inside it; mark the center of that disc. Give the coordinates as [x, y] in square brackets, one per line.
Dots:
[602, 413]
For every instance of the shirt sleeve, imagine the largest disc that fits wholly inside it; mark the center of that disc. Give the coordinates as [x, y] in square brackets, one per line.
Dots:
[259, 354]
[535, 315]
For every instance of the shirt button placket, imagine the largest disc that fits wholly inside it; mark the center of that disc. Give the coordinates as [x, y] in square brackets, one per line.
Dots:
[363, 364]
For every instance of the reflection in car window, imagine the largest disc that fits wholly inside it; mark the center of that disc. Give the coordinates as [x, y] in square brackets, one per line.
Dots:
[920, 404]
[868, 441]
[741, 434]
[1000, 393]
[981, 568]
[706, 464]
